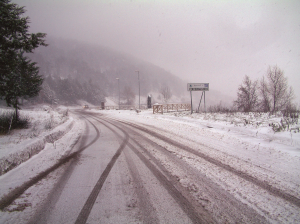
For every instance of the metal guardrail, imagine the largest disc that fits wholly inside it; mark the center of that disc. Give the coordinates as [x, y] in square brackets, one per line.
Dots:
[161, 108]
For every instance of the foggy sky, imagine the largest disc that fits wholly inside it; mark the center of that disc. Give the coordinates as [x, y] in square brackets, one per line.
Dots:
[200, 41]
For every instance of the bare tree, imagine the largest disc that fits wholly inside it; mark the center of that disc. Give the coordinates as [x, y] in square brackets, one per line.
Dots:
[277, 87]
[47, 94]
[247, 95]
[128, 95]
[166, 93]
[265, 99]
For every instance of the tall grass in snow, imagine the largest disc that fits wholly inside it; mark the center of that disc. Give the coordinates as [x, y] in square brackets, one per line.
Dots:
[8, 121]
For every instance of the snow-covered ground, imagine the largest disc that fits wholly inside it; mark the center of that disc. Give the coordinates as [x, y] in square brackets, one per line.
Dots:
[248, 137]
[245, 142]
[257, 129]
[248, 142]
[155, 98]
[26, 153]
[42, 121]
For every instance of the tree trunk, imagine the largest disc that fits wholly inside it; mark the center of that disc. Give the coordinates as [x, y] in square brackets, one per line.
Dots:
[274, 105]
[16, 112]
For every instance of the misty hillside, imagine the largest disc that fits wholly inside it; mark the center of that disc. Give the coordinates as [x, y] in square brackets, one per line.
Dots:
[101, 66]
[75, 70]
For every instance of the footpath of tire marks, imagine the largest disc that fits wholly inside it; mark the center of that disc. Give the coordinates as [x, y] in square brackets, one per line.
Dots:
[262, 184]
[183, 202]
[7, 199]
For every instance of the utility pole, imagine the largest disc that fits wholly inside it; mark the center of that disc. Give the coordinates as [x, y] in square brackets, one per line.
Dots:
[139, 89]
[119, 91]
[191, 102]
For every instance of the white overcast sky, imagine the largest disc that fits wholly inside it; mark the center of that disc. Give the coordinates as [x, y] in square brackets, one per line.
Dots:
[215, 41]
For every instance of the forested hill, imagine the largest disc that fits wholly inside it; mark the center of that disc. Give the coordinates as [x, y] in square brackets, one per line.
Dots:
[72, 69]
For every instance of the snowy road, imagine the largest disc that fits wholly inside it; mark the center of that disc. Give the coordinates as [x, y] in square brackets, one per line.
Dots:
[111, 181]
[114, 181]
[132, 171]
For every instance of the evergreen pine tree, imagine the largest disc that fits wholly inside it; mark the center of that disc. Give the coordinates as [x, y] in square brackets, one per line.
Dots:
[18, 76]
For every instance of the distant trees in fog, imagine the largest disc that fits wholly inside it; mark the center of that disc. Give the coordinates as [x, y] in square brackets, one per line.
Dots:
[70, 58]
[271, 93]
[128, 95]
[69, 90]
[166, 93]
[47, 94]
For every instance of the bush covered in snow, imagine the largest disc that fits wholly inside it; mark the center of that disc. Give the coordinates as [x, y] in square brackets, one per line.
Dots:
[8, 121]
[277, 122]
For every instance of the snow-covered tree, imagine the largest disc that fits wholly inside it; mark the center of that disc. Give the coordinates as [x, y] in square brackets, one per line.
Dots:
[47, 94]
[128, 95]
[166, 93]
[247, 95]
[264, 103]
[18, 75]
[280, 94]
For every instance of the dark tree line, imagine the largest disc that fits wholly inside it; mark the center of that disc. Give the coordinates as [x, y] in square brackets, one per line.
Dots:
[69, 90]
[166, 93]
[270, 94]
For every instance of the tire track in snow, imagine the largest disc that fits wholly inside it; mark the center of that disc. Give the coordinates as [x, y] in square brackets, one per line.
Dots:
[196, 217]
[85, 211]
[147, 209]
[262, 184]
[230, 207]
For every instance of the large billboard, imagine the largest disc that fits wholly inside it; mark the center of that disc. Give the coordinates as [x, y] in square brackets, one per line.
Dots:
[198, 86]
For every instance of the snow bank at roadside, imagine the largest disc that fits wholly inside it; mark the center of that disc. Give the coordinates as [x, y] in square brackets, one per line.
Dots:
[46, 126]
[45, 159]
[249, 127]
[33, 146]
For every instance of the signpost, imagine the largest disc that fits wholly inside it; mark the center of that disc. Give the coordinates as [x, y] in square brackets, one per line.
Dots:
[198, 87]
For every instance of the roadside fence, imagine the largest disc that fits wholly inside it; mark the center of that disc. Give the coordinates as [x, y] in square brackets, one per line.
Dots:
[161, 108]
[126, 107]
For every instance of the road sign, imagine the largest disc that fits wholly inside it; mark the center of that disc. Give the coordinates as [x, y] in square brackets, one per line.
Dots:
[198, 86]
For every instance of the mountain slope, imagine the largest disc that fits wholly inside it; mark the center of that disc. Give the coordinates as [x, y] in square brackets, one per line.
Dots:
[86, 66]
[84, 62]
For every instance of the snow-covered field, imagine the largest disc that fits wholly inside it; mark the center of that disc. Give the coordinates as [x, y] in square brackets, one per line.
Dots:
[247, 137]
[248, 142]
[257, 129]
